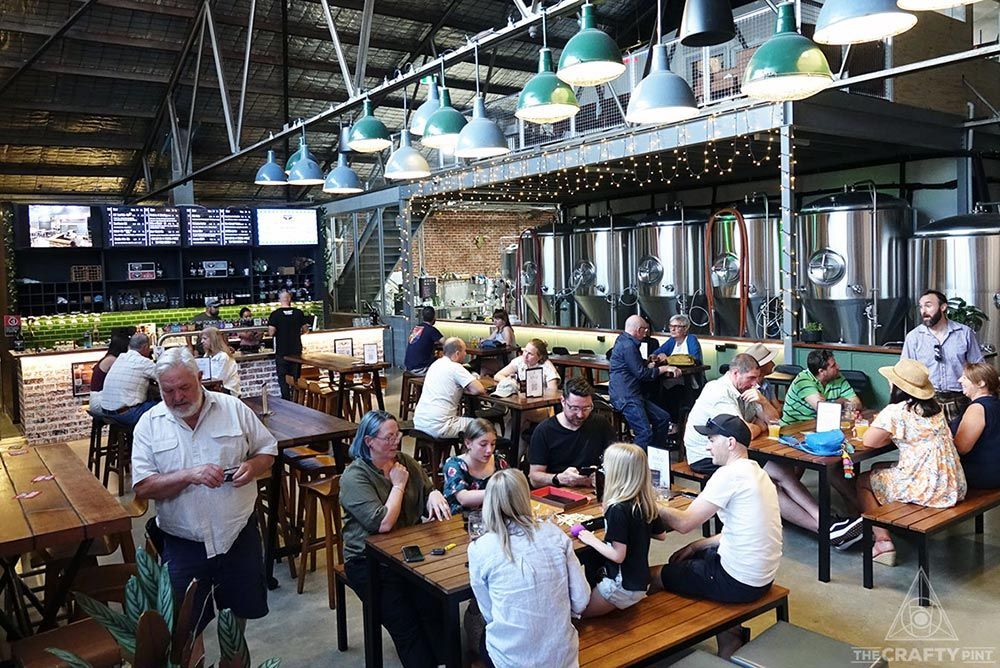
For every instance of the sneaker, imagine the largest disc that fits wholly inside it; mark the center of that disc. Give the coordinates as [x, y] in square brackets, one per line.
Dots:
[845, 534]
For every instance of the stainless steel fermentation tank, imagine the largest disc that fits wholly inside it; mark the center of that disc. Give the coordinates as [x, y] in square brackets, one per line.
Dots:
[543, 267]
[763, 279]
[852, 265]
[669, 268]
[600, 272]
[959, 256]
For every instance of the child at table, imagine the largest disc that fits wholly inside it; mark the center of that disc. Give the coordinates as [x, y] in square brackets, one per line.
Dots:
[630, 520]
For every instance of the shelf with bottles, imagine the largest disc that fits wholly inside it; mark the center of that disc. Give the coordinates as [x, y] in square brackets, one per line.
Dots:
[196, 298]
[144, 298]
[267, 288]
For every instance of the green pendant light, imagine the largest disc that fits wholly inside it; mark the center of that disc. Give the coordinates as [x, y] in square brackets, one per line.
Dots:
[305, 170]
[418, 121]
[546, 98]
[787, 66]
[406, 162]
[853, 21]
[662, 97]
[342, 180]
[369, 134]
[270, 173]
[590, 58]
[481, 137]
[443, 126]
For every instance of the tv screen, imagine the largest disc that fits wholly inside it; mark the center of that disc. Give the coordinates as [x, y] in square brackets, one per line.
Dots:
[59, 226]
[219, 227]
[142, 226]
[287, 227]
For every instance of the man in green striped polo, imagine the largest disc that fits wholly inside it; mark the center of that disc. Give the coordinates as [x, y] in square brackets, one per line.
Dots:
[822, 381]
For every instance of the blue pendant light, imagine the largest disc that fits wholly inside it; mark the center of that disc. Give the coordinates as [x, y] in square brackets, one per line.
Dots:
[481, 137]
[419, 118]
[270, 173]
[342, 180]
[294, 157]
[662, 97]
[305, 170]
[853, 21]
[406, 161]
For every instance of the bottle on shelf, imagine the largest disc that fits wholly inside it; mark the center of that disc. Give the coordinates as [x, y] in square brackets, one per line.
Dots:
[159, 270]
[192, 270]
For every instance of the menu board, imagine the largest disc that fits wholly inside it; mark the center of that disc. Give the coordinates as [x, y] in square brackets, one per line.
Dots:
[287, 227]
[143, 226]
[219, 227]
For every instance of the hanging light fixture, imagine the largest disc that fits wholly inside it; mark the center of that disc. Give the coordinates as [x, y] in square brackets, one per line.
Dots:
[662, 97]
[707, 23]
[342, 180]
[369, 134]
[270, 173]
[419, 118]
[787, 66]
[590, 57]
[294, 157]
[546, 98]
[929, 5]
[305, 170]
[853, 22]
[481, 137]
[443, 126]
[406, 162]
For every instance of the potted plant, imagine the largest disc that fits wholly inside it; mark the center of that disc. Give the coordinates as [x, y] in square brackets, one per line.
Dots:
[811, 333]
[967, 314]
[149, 631]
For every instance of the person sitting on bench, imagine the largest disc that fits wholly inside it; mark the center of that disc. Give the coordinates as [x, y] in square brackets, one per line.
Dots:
[739, 564]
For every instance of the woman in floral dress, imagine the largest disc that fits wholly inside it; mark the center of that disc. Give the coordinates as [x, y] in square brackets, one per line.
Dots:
[466, 475]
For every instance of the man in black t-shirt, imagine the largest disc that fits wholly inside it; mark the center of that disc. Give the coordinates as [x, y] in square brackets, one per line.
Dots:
[571, 440]
[287, 325]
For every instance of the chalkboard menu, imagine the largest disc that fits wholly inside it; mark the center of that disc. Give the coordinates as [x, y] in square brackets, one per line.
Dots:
[143, 226]
[219, 227]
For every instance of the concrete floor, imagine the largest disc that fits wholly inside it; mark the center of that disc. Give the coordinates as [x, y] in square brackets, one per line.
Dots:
[965, 569]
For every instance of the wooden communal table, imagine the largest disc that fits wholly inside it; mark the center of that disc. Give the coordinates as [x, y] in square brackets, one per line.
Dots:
[73, 508]
[590, 363]
[765, 449]
[292, 425]
[343, 366]
[446, 577]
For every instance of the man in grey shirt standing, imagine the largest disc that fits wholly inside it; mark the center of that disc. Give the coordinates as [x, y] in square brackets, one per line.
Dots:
[944, 347]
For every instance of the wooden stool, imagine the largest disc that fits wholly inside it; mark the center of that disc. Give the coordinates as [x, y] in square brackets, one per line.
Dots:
[431, 453]
[325, 494]
[97, 449]
[119, 452]
[409, 394]
[359, 402]
[321, 397]
[302, 471]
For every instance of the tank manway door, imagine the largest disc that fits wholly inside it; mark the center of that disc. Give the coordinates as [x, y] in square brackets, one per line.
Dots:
[725, 269]
[650, 271]
[826, 267]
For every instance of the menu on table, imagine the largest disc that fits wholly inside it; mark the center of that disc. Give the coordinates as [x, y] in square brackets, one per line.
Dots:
[219, 227]
[143, 226]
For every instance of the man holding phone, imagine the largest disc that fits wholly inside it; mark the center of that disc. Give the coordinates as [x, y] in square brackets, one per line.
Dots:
[198, 454]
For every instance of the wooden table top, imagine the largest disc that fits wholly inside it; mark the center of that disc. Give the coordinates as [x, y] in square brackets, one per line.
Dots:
[523, 403]
[485, 381]
[449, 573]
[71, 508]
[601, 363]
[294, 424]
[335, 362]
[770, 446]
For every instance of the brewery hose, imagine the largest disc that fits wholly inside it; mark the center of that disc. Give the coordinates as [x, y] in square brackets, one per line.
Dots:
[743, 268]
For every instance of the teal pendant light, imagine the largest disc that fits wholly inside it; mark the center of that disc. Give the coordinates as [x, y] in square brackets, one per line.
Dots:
[481, 137]
[369, 134]
[853, 21]
[418, 121]
[441, 131]
[305, 170]
[591, 57]
[406, 162]
[342, 180]
[546, 98]
[294, 157]
[787, 66]
[270, 173]
[662, 97]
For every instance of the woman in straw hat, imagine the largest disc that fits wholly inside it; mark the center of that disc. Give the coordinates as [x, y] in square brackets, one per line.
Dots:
[928, 472]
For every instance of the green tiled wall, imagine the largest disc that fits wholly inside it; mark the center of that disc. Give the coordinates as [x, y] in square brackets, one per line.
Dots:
[47, 330]
[877, 395]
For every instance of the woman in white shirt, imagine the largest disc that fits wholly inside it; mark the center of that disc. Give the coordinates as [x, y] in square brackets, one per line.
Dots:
[223, 366]
[527, 581]
[534, 355]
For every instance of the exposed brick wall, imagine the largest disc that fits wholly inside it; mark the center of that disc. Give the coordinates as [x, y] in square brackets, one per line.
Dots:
[466, 241]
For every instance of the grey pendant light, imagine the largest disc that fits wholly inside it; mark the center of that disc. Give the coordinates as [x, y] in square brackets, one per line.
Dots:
[305, 171]
[270, 173]
[707, 23]
[852, 22]
[481, 137]
[662, 97]
[406, 162]
[419, 118]
[342, 180]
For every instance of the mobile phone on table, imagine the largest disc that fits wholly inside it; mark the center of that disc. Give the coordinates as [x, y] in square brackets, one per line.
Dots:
[228, 474]
[412, 553]
[588, 470]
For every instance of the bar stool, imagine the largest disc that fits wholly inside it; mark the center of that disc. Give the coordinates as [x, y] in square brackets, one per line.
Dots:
[303, 471]
[409, 395]
[119, 452]
[97, 449]
[324, 494]
[431, 452]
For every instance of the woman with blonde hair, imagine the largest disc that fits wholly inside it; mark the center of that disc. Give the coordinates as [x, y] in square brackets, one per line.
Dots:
[526, 579]
[221, 361]
[631, 519]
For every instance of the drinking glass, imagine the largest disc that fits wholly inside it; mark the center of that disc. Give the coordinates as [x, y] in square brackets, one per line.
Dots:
[773, 428]
[860, 427]
[476, 527]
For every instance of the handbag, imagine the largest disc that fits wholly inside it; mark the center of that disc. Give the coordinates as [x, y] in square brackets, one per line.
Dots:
[822, 443]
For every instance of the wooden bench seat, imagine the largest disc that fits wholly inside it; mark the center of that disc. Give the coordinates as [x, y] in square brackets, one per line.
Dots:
[920, 522]
[664, 624]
